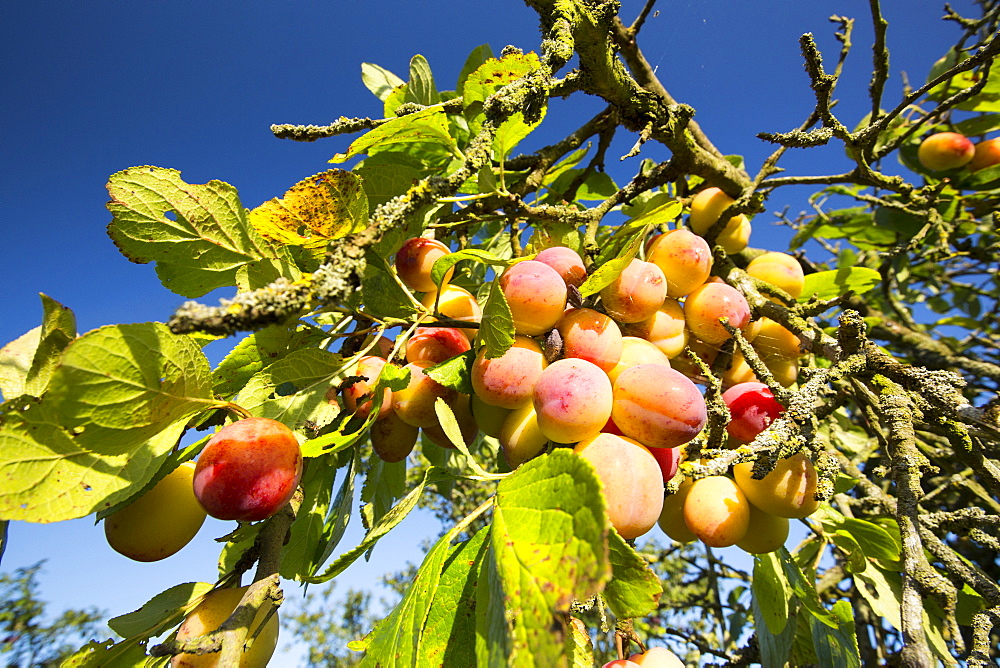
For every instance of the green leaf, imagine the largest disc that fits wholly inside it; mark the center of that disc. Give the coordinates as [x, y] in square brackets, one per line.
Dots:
[596, 186]
[657, 212]
[833, 631]
[381, 291]
[476, 59]
[160, 612]
[427, 126]
[256, 352]
[446, 262]
[884, 592]
[420, 88]
[48, 477]
[198, 235]
[497, 328]
[771, 593]
[978, 125]
[299, 552]
[493, 625]
[512, 131]
[385, 524]
[379, 80]
[775, 648]
[58, 331]
[120, 385]
[388, 174]
[875, 541]
[549, 540]
[397, 640]
[837, 647]
[494, 74]
[612, 269]
[108, 654]
[15, 362]
[834, 283]
[856, 561]
[446, 418]
[448, 638]
[339, 515]
[294, 389]
[634, 589]
[579, 646]
[987, 100]
[454, 373]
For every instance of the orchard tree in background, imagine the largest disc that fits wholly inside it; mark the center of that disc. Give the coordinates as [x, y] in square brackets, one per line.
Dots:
[555, 363]
[27, 637]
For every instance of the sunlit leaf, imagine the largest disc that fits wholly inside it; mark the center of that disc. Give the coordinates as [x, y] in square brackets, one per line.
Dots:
[549, 540]
[836, 282]
[160, 612]
[634, 590]
[497, 327]
[324, 206]
[58, 331]
[198, 235]
[425, 126]
[385, 524]
[379, 80]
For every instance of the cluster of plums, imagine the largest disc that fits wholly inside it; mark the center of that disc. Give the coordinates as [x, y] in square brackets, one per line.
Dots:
[943, 151]
[607, 378]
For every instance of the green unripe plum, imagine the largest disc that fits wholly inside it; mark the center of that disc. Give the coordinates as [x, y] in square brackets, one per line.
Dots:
[636, 293]
[671, 518]
[248, 470]
[392, 439]
[780, 270]
[765, 532]
[716, 511]
[787, 491]
[631, 481]
[572, 399]
[987, 154]
[209, 615]
[488, 418]
[520, 436]
[590, 335]
[160, 522]
[945, 150]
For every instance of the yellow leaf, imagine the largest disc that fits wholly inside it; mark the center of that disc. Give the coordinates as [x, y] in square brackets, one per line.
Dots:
[325, 206]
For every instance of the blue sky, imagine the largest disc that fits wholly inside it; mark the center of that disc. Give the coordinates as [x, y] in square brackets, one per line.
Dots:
[91, 88]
